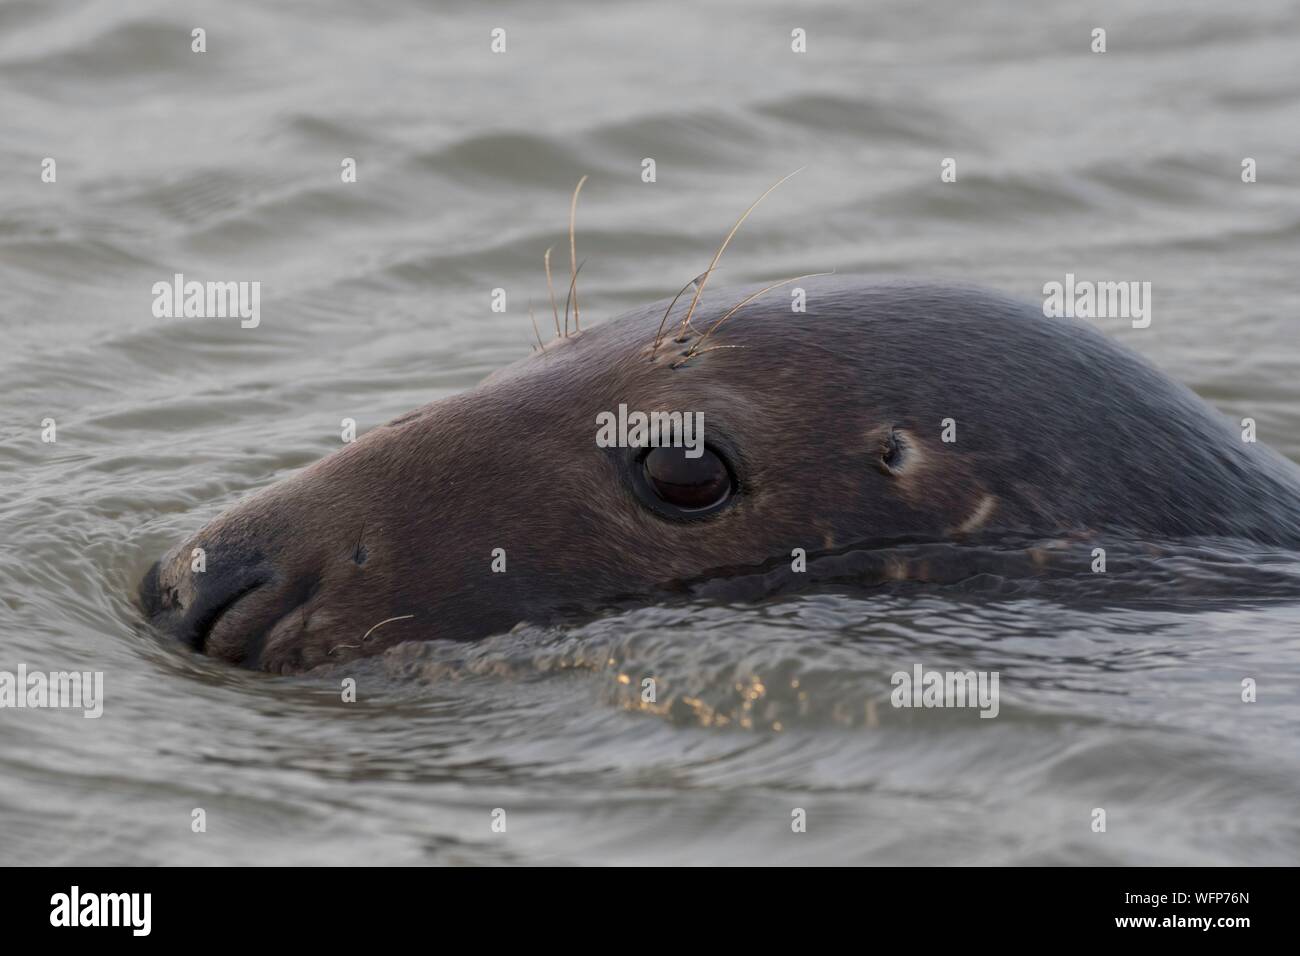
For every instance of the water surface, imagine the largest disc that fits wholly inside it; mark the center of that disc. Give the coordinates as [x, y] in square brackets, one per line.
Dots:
[225, 165]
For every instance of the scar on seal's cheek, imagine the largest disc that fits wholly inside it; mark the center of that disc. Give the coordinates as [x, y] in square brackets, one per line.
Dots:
[980, 516]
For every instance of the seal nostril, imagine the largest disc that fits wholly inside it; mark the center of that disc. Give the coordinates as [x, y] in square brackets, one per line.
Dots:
[189, 603]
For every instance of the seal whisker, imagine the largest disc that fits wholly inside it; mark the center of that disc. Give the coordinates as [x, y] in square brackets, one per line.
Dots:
[573, 285]
[711, 348]
[660, 331]
[536, 331]
[686, 322]
[388, 620]
[550, 291]
[573, 259]
[695, 349]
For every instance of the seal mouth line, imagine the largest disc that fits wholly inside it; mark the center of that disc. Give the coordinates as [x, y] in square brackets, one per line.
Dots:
[203, 629]
[257, 644]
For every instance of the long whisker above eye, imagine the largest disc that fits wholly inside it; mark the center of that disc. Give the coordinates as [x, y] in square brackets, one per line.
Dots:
[573, 259]
[550, 290]
[536, 331]
[686, 322]
[681, 292]
[573, 284]
[695, 349]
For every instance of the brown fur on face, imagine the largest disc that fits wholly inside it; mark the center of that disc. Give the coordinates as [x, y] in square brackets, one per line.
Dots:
[1057, 427]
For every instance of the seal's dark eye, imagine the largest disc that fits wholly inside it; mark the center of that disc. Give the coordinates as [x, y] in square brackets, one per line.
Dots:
[687, 484]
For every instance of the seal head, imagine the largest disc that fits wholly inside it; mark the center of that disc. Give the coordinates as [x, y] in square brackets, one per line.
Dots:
[885, 412]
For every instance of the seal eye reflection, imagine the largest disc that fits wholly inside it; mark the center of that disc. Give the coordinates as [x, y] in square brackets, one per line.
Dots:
[687, 486]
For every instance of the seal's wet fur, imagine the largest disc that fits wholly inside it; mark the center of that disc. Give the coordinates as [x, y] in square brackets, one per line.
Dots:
[831, 421]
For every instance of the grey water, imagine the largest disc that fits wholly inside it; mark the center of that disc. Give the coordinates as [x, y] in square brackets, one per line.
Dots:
[226, 165]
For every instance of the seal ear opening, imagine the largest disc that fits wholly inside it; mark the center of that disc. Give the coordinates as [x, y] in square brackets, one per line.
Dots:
[893, 451]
